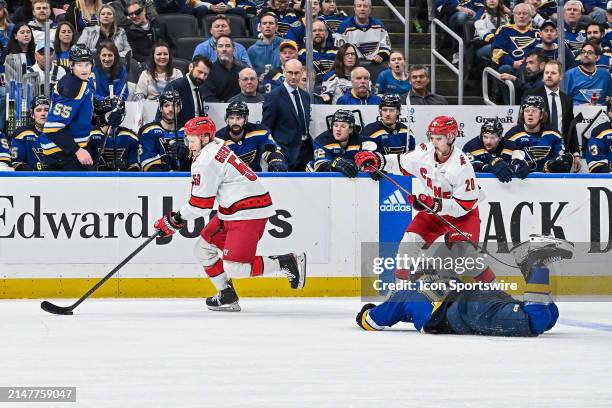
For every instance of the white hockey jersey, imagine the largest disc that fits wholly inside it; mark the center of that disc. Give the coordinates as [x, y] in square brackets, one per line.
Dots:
[218, 174]
[453, 180]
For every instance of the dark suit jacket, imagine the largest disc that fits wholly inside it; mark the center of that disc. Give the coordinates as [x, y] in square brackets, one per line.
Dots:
[570, 137]
[280, 117]
[181, 85]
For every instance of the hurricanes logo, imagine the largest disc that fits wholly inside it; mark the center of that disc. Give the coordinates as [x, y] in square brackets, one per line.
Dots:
[520, 43]
[395, 202]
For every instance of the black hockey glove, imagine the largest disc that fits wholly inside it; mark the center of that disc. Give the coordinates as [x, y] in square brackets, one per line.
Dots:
[561, 164]
[277, 165]
[115, 116]
[520, 168]
[502, 171]
[178, 151]
[344, 166]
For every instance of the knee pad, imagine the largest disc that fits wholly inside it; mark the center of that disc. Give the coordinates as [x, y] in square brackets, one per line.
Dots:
[205, 252]
[412, 244]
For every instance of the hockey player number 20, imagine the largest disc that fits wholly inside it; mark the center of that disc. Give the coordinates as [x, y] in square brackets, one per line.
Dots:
[62, 110]
[470, 184]
[242, 168]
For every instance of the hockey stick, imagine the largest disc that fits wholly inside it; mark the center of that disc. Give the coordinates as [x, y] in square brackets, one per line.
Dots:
[67, 310]
[438, 216]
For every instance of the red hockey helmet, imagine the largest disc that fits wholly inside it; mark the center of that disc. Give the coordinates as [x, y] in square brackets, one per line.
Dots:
[444, 125]
[200, 126]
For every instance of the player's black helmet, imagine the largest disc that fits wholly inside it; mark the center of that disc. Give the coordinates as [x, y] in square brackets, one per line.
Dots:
[102, 107]
[39, 100]
[170, 95]
[535, 101]
[493, 126]
[237, 108]
[80, 53]
[391, 101]
[342, 115]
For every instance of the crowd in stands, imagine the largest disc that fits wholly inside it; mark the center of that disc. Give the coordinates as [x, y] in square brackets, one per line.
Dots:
[142, 53]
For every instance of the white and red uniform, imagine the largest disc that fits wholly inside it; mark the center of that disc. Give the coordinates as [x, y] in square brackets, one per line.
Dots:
[244, 208]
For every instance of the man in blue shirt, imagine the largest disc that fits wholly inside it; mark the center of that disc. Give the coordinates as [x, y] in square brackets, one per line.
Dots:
[587, 84]
[219, 27]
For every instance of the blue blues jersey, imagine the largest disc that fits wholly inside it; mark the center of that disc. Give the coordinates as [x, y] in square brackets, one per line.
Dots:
[599, 149]
[156, 143]
[581, 86]
[284, 21]
[388, 140]
[481, 158]
[63, 59]
[5, 154]
[256, 144]
[387, 84]
[575, 38]
[26, 152]
[333, 21]
[103, 83]
[123, 146]
[539, 147]
[326, 149]
[511, 44]
[322, 60]
[297, 32]
[272, 79]
[351, 98]
[69, 122]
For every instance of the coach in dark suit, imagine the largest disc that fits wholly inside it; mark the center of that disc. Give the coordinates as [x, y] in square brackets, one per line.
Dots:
[190, 88]
[286, 112]
[558, 105]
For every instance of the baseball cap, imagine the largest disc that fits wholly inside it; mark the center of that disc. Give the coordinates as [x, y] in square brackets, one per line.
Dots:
[551, 23]
[288, 43]
[41, 45]
[609, 6]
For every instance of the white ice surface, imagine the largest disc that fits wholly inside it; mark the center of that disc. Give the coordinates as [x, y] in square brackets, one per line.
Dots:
[295, 353]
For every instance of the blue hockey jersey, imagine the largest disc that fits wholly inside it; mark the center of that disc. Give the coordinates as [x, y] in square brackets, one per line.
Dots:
[272, 79]
[481, 157]
[511, 44]
[540, 147]
[123, 146]
[394, 140]
[574, 38]
[26, 151]
[255, 146]
[5, 153]
[350, 98]
[69, 122]
[284, 21]
[333, 21]
[581, 86]
[326, 149]
[599, 149]
[322, 60]
[156, 144]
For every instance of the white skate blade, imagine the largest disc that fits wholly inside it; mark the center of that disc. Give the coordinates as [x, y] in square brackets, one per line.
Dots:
[543, 240]
[302, 270]
[232, 307]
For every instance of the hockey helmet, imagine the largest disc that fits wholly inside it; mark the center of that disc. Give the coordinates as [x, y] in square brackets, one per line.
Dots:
[170, 95]
[443, 125]
[39, 100]
[106, 105]
[492, 126]
[534, 101]
[343, 115]
[200, 126]
[239, 108]
[391, 101]
[80, 53]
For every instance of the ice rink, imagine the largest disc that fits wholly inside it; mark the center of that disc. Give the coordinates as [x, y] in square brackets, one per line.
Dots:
[295, 353]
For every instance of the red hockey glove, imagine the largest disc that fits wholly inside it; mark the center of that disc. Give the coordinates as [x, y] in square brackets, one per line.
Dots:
[366, 159]
[423, 201]
[169, 224]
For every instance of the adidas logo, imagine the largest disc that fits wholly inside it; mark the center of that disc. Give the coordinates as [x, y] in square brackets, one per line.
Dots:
[395, 202]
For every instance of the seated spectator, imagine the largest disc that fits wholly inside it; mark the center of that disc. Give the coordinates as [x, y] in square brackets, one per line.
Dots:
[41, 10]
[83, 13]
[25, 146]
[599, 147]
[335, 149]
[297, 31]
[338, 80]
[107, 30]
[143, 33]
[419, 95]
[575, 36]
[596, 9]
[55, 71]
[23, 13]
[387, 133]
[595, 33]
[586, 84]
[323, 53]
[513, 41]
[6, 26]
[529, 76]
[202, 8]
[394, 80]
[220, 27]
[288, 51]
[247, 80]
[121, 13]
[366, 33]
[549, 45]
[284, 16]
[264, 54]
[19, 52]
[458, 15]
[360, 93]
[109, 70]
[331, 16]
[64, 40]
[222, 83]
[493, 17]
[158, 74]
[543, 146]
[316, 98]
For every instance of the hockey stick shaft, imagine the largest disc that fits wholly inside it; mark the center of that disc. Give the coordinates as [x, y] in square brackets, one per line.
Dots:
[51, 308]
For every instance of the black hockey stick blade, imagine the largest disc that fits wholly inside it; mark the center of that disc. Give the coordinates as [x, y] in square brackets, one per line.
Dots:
[55, 309]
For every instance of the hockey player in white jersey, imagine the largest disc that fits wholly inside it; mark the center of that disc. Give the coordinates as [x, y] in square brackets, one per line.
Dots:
[244, 206]
[451, 192]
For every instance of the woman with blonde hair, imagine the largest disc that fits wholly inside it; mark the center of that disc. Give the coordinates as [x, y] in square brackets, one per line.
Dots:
[107, 30]
[83, 13]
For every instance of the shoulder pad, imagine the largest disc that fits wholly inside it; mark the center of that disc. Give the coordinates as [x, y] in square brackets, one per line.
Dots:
[152, 126]
[71, 87]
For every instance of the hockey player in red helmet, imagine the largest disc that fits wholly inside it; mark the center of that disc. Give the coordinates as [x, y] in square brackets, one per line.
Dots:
[244, 206]
[448, 188]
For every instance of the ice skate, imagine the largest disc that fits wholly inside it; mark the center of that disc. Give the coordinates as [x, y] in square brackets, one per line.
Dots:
[541, 250]
[225, 300]
[294, 266]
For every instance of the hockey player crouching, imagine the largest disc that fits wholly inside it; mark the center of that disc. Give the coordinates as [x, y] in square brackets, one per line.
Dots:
[245, 205]
[25, 147]
[599, 147]
[491, 153]
[543, 145]
[479, 311]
